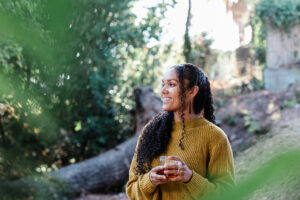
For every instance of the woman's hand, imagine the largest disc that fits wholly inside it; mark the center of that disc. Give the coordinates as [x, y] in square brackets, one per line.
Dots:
[184, 174]
[156, 178]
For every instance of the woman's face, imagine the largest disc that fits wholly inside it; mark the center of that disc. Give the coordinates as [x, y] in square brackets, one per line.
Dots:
[170, 91]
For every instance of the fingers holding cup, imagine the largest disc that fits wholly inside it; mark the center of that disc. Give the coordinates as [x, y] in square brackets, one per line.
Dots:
[184, 174]
[170, 166]
[172, 169]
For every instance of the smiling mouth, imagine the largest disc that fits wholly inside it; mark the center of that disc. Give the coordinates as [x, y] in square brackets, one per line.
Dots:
[166, 99]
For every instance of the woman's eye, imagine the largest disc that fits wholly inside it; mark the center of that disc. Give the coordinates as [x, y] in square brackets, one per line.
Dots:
[172, 85]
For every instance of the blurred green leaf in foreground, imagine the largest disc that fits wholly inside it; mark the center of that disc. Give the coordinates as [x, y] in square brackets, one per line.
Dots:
[275, 169]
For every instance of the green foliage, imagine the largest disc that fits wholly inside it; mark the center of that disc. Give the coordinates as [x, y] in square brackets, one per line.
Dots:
[230, 120]
[34, 187]
[281, 14]
[219, 103]
[252, 125]
[256, 84]
[63, 95]
[259, 39]
[253, 85]
[28, 128]
[201, 49]
[298, 95]
[112, 53]
[289, 103]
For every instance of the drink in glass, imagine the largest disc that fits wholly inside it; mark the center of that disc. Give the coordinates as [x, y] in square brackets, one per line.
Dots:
[164, 160]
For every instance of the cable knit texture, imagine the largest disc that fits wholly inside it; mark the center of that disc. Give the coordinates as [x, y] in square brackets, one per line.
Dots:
[207, 153]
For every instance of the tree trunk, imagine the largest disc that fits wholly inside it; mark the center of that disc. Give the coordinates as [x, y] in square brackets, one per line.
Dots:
[187, 41]
[109, 171]
[104, 173]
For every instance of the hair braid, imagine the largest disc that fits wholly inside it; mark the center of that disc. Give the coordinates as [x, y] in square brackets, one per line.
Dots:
[180, 73]
[209, 104]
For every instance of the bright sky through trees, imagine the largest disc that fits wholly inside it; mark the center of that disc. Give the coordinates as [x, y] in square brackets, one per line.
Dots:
[209, 16]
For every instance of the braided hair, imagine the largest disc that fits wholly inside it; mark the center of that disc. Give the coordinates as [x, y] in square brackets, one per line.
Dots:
[157, 132]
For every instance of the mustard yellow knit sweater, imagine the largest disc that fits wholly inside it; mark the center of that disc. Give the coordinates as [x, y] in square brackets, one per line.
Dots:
[207, 153]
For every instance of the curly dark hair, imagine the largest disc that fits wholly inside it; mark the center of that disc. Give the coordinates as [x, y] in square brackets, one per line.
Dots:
[157, 132]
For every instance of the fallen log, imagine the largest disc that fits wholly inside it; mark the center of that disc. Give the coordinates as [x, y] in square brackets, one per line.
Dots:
[103, 173]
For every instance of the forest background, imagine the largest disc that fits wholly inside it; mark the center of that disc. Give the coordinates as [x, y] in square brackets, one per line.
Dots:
[68, 70]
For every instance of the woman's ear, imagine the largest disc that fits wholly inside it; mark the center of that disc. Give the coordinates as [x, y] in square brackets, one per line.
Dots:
[194, 91]
[191, 93]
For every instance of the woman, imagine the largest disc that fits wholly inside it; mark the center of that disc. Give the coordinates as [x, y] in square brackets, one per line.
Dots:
[186, 131]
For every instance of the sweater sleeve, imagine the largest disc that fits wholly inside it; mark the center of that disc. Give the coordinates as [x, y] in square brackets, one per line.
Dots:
[220, 171]
[139, 187]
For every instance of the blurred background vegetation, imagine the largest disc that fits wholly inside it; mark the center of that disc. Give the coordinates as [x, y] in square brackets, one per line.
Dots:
[64, 75]
[68, 70]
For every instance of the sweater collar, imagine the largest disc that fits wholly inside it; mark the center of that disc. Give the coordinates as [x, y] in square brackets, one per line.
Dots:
[190, 123]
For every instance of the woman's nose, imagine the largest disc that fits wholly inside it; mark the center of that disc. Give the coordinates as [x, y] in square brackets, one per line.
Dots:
[164, 90]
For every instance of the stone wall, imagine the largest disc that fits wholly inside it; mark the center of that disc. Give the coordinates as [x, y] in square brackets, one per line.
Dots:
[283, 58]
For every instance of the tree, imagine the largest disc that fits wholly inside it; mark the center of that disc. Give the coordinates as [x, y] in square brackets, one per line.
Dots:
[60, 66]
[187, 41]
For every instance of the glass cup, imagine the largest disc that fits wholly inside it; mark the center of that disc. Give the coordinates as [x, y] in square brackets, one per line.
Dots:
[163, 160]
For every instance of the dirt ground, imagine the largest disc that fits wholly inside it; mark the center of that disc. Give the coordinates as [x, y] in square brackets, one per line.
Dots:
[284, 136]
